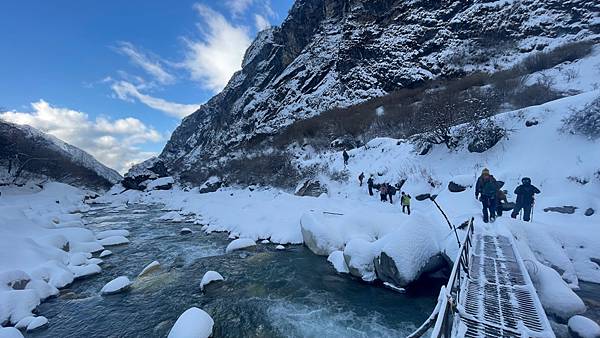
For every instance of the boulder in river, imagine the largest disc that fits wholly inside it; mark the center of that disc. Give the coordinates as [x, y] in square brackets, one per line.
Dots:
[194, 323]
[240, 243]
[388, 271]
[209, 277]
[150, 268]
[37, 323]
[105, 253]
[114, 240]
[185, 231]
[117, 285]
[583, 327]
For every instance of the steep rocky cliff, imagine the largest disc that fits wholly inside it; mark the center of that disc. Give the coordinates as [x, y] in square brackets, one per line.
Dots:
[336, 53]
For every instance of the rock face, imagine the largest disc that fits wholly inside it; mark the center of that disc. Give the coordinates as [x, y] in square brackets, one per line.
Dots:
[337, 53]
[27, 153]
[142, 174]
[387, 271]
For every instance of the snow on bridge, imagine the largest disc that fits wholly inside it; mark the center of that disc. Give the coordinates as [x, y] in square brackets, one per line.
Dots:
[490, 293]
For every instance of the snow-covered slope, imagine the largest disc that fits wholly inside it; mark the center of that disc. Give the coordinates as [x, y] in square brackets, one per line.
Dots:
[331, 53]
[44, 156]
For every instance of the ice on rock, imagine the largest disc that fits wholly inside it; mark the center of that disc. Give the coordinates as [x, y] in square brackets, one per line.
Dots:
[209, 277]
[114, 240]
[150, 268]
[336, 258]
[116, 285]
[280, 247]
[105, 253]
[109, 233]
[583, 327]
[240, 243]
[37, 323]
[185, 231]
[10, 332]
[194, 322]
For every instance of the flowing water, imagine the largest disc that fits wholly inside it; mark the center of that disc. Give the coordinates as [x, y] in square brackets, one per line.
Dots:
[266, 292]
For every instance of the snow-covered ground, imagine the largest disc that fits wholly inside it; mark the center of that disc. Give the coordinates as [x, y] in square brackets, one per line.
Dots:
[43, 247]
[348, 223]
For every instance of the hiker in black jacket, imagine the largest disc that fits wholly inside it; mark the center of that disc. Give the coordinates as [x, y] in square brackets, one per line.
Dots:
[370, 185]
[361, 177]
[346, 157]
[525, 198]
[391, 190]
[486, 190]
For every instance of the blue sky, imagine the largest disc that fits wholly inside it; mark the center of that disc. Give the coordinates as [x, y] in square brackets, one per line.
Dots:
[115, 77]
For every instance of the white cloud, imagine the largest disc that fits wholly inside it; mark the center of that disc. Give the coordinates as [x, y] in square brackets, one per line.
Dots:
[146, 62]
[261, 22]
[237, 7]
[128, 92]
[113, 142]
[218, 55]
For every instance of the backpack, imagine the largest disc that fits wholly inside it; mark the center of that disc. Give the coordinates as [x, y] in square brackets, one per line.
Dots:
[489, 188]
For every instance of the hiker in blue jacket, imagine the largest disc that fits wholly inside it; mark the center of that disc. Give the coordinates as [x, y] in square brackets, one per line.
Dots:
[525, 199]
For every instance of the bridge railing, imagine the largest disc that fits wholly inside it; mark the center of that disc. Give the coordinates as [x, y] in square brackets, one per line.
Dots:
[443, 324]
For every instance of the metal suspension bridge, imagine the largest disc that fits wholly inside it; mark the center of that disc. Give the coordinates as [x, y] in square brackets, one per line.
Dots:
[489, 293]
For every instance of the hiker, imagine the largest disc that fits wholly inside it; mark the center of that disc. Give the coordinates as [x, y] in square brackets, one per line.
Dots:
[501, 201]
[485, 191]
[525, 198]
[405, 201]
[361, 177]
[391, 190]
[370, 185]
[383, 192]
[346, 157]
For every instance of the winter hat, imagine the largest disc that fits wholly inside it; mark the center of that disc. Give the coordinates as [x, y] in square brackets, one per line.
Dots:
[485, 171]
[526, 180]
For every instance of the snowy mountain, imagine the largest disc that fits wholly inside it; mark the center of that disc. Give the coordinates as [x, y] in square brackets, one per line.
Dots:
[330, 54]
[27, 153]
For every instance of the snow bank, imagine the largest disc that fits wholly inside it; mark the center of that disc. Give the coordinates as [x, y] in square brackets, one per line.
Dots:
[116, 285]
[42, 246]
[192, 323]
[584, 327]
[209, 277]
[10, 332]
[336, 259]
[240, 243]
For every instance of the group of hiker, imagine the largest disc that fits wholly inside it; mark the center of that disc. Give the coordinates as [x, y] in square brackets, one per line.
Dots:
[386, 192]
[493, 199]
[487, 191]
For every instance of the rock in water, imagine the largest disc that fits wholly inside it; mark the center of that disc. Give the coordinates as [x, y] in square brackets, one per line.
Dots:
[280, 247]
[240, 243]
[193, 323]
[336, 259]
[105, 253]
[582, 327]
[209, 277]
[185, 231]
[116, 285]
[150, 268]
[114, 240]
[37, 323]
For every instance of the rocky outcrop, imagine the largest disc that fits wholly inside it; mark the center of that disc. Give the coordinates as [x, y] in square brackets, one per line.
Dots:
[142, 174]
[388, 271]
[332, 53]
[311, 188]
[455, 187]
[567, 209]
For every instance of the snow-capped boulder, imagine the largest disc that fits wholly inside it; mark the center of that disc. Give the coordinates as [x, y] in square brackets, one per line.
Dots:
[140, 175]
[359, 255]
[116, 285]
[211, 185]
[163, 183]
[315, 236]
[209, 277]
[582, 327]
[460, 183]
[336, 259]
[185, 231]
[149, 269]
[22, 324]
[36, 323]
[10, 332]
[556, 296]
[105, 253]
[280, 247]
[109, 233]
[172, 216]
[193, 323]
[240, 243]
[114, 240]
[312, 188]
[265, 241]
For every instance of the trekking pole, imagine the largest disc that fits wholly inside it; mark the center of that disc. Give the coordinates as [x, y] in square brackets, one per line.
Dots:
[432, 198]
[532, 205]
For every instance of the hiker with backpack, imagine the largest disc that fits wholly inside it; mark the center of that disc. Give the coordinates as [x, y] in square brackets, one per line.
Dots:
[361, 177]
[525, 199]
[370, 185]
[391, 190]
[486, 190]
[383, 192]
[501, 201]
[346, 157]
[405, 201]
